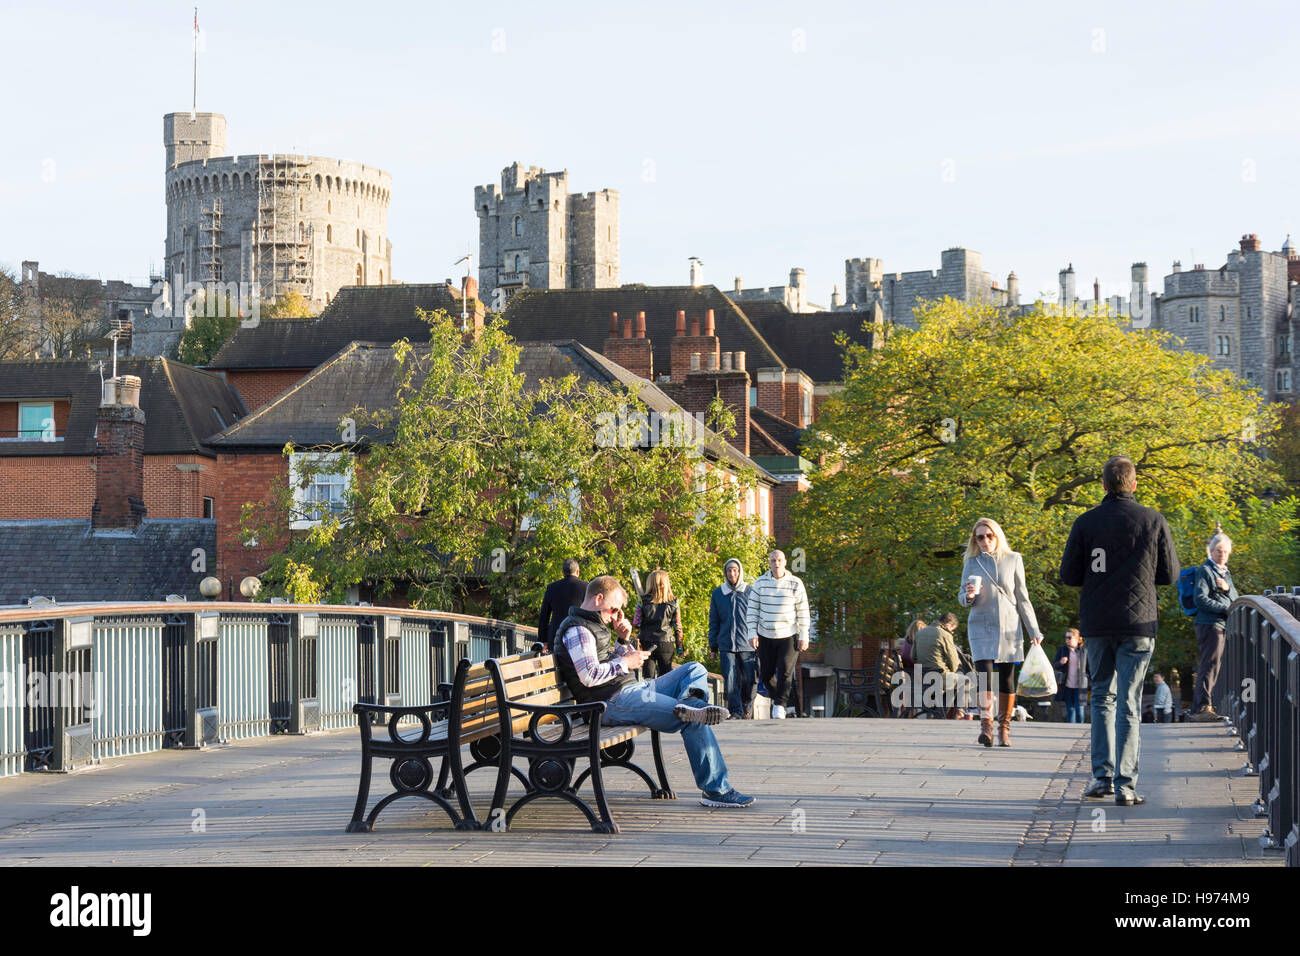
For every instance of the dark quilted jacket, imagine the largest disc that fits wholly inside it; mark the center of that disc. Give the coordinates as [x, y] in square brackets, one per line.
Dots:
[1118, 552]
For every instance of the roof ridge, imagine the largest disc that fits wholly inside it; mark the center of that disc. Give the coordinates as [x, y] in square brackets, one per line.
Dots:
[176, 396]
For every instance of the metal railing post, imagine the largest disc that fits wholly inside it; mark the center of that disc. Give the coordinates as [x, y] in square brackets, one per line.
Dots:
[191, 651]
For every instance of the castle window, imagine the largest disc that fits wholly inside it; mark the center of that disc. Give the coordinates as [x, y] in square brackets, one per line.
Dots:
[518, 260]
[609, 233]
[1283, 344]
[358, 238]
[557, 205]
[1223, 314]
[329, 205]
[1225, 345]
[329, 233]
[519, 226]
[381, 276]
[358, 273]
[1249, 313]
[1284, 380]
[318, 180]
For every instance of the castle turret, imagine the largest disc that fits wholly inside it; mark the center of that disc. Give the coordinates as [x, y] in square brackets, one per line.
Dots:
[1013, 289]
[190, 136]
[1066, 277]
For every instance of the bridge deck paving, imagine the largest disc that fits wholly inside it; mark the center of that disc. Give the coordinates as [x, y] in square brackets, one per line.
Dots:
[830, 792]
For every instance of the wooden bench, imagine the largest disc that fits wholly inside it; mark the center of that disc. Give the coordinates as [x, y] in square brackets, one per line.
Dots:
[542, 723]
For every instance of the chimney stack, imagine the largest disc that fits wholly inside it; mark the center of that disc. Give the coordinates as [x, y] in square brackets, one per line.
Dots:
[730, 383]
[695, 361]
[708, 322]
[703, 341]
[695, 327]
[633, 353]
[119, 457]
[1250, 243]
[681, 322]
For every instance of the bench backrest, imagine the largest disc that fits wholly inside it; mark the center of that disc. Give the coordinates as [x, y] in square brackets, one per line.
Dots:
[529, 678]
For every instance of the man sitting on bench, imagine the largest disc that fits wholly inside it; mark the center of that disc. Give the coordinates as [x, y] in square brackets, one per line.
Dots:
[596, 668]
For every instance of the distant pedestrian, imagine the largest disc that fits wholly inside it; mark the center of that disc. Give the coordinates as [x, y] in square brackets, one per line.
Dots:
[1215, 593]
[777, 614]
[730, 638]
[936, 652]
[562, 595]
[1071, 661]
[658, 622]
[993, 586]
[907, 653]
[1163, 705]
[1118, 552]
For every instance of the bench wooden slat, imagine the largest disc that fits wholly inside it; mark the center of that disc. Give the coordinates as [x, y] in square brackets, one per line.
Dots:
[510, 670]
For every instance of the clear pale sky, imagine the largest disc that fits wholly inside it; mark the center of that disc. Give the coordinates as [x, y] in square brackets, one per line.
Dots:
[757, 136]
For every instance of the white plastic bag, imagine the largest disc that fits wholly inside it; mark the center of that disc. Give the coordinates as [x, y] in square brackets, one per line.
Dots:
[1037, 679]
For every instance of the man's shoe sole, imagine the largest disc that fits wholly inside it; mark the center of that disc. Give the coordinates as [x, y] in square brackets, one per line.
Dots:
[710, 714]
[1134, 801]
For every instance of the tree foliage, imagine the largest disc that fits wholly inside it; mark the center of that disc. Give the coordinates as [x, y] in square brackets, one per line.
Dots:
[474, 485]
[977, 413]
[291, 305]
[207, 328]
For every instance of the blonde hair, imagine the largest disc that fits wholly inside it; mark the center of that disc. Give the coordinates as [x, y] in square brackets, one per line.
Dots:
[1000, 546]
[657, 588]
[912, 628]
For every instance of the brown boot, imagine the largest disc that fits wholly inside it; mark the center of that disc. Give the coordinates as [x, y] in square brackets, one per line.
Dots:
[986, 720]
[1008, 704]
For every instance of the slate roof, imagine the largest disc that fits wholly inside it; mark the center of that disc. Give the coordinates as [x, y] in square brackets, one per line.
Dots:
[365, 374]
[806, 340]
[63, 560]
[182, 405]
[583, 314]
[377, 313]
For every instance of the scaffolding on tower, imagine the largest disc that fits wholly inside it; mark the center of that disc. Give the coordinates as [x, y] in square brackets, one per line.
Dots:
[283, 243]
[211, 251]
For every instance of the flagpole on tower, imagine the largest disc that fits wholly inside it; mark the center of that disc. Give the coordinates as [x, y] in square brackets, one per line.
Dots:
[194, 105]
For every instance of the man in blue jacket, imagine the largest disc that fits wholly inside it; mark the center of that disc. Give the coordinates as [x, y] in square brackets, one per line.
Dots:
[1118, 552]
[730, 639]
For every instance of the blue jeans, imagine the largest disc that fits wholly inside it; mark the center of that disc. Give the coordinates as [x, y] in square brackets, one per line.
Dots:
[651, 703]
[1073, 705]
[738, 670]
[1116, 668]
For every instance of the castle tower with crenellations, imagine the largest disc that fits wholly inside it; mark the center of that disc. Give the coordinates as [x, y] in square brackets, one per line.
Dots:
[534, 234]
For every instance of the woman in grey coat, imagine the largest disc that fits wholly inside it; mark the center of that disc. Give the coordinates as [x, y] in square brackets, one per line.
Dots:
[993, 587]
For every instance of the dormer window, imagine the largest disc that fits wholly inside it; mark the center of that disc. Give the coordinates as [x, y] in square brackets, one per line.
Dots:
[36, 421]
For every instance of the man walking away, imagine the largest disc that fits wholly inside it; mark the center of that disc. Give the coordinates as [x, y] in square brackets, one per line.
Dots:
[730, 639]
[777, 614]
[1163, 705]
[570, 591]
[1118, 552]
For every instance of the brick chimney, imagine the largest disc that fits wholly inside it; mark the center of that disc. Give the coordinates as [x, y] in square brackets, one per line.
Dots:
[731, 383]
[628, 346]
[786, 393]
[119, 457]
[1250, 242]
[703, 341]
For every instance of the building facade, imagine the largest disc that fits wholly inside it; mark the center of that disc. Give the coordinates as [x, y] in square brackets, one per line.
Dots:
[534, 235]
[961, 276]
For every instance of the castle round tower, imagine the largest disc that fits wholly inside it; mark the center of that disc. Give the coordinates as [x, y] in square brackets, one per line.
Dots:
[305, 223]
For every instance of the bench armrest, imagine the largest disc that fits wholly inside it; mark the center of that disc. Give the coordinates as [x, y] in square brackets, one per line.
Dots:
[401, 711]
[596, 707]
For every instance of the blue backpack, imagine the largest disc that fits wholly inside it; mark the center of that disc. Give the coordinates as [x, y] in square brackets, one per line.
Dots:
[1187, 591]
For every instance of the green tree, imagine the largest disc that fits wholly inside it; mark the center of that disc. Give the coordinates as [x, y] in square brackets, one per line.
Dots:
[474, 485]
[977, 413]
[207, 328]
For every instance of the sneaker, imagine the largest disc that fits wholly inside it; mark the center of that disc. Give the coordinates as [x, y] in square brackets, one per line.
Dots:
[1205, 714]
[778, 712]
[709, 714]
[730, 799]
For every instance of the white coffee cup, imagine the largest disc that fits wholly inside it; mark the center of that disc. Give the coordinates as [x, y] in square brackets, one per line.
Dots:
[976, 582]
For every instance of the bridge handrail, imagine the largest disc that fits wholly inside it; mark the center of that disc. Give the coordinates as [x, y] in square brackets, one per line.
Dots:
[1261, 697]
[82, 682]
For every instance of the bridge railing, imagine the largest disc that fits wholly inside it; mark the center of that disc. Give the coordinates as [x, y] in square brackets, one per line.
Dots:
[81, 682]
[1261, 697]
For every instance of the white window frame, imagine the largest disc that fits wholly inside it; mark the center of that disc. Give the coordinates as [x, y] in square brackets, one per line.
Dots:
[25, 434]
[307, 512]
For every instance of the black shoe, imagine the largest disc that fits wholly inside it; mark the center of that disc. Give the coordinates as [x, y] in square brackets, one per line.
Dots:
[1099, 790]
[698, 694]
[1133, 801]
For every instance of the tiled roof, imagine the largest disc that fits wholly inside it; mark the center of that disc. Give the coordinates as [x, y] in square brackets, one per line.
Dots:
[365, 374]
[583, 314]
[183, 406]
[806, 340]
[63, 560]
[377, 313]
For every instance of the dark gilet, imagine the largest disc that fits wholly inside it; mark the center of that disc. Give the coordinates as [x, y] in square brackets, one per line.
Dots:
[658, 623]
[604, 652]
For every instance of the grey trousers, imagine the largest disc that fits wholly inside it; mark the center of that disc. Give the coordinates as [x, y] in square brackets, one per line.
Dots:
[1209, 640]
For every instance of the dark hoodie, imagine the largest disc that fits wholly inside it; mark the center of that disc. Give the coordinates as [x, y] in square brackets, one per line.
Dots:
[727, 606]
